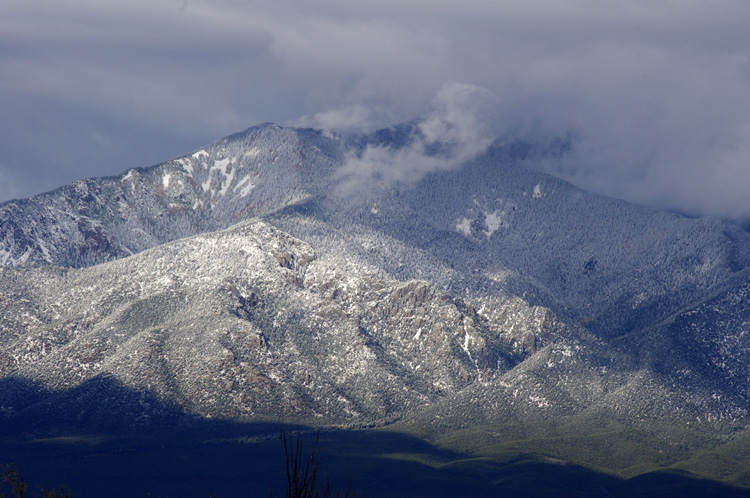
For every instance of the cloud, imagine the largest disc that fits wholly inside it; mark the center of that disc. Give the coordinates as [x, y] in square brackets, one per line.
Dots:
[657, 93]
[350, 119]
[658, 127]
[462, 122]
[463, 115]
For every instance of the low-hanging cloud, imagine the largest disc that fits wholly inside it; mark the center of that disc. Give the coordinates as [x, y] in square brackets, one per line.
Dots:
[663, 128]
[462, 121]
[657, 94]
[349, 119]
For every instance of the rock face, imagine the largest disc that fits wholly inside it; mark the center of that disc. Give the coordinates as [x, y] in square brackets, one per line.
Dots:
[251, 322]
[243, 281]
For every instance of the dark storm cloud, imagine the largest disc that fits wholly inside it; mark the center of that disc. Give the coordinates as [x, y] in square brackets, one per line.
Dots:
[657, 93]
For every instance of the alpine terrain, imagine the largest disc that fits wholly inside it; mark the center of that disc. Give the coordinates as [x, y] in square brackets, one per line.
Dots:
[491, 312]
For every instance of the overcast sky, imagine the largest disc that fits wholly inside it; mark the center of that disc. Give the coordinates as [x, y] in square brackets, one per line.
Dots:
[657, 93]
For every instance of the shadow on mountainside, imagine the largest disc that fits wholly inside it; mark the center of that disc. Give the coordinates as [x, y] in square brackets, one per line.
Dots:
[99, 405]
[102, 439]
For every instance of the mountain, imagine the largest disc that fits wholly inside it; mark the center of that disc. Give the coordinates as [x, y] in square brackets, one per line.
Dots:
[97, 220]
[495, 224]
[294, 273]
[251, 322]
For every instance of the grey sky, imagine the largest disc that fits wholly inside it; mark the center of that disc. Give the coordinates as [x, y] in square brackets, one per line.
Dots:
[656, 92]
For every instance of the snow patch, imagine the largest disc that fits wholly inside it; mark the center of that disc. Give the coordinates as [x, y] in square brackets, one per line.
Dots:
[165, 180]
[221, 165]
[464, 227]
[197, 156]
[129, 176]
[537, 193]
[187, 165]
[467, 342]
[224, 166]
[493, 221]
[246, 185]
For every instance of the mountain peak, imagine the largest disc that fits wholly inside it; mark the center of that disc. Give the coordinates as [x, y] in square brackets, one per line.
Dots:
[454, 280]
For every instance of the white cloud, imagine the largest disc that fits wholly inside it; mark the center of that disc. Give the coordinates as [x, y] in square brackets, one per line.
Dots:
[353, 118]
[462, 114]
[461, 123]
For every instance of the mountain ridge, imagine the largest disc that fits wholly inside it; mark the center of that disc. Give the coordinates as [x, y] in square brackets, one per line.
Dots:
[106, 318]
[240, 282]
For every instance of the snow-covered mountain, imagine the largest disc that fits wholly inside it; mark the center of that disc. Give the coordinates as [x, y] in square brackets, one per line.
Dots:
[295, 272]
[97, 220]
[250, 322]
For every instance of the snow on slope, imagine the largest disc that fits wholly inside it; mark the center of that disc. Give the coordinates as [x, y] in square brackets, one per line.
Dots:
[490, 232]
[252, 322]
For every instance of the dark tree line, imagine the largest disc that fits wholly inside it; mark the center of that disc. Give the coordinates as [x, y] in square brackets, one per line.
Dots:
[11, 480]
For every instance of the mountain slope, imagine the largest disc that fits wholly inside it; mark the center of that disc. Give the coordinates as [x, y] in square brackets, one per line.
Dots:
[251, 322]
[102, 219]
[284, 272]
[491, 226]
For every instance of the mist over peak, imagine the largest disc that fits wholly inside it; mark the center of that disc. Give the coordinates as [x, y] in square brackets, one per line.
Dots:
[658, 95]
[460, 123]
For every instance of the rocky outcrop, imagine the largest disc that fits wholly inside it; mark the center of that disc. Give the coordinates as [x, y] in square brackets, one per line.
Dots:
[250, 322]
